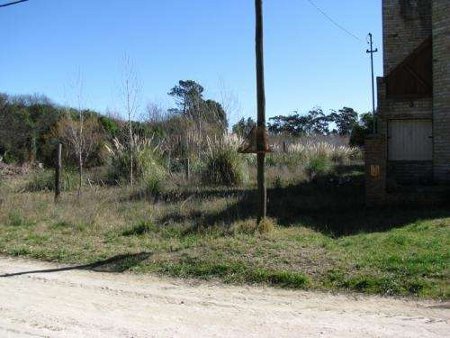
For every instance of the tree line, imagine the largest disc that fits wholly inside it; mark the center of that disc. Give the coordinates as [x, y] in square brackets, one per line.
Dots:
[343, 122]
[31, 126]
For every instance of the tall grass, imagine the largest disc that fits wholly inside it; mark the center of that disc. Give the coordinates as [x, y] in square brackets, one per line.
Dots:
[312, 157]
[335, 153]
[223, 164]
[44, 180]
[147, 161]
[218, 162]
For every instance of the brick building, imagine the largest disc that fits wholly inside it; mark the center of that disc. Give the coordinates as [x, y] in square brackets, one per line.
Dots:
[411, 149]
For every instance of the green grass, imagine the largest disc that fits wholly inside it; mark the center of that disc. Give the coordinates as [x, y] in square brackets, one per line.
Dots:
[323, 238]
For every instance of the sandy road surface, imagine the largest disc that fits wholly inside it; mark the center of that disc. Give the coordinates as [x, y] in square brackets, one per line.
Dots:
[82, 303]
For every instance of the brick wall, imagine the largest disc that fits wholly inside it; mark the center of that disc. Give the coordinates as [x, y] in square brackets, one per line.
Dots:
[375, 169]
[410, 172]
[406, 24]
[441, 79]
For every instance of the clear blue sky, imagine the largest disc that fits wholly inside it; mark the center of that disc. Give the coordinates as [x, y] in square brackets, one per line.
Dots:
[309, 61]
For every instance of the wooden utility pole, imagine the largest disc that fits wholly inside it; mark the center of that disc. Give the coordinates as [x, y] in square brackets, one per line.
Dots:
[58, 167]
[372, 51]
[261, 99]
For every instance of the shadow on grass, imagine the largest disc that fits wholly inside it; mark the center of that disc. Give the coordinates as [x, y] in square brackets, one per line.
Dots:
[119, 263]
[333, 205]
[191, 193]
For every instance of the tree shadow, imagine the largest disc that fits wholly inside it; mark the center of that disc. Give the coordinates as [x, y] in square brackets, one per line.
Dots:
[333, 205]
[187, 193]
[119, 263]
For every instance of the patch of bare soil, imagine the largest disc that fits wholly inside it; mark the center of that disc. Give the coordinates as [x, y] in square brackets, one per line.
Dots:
[74, 303]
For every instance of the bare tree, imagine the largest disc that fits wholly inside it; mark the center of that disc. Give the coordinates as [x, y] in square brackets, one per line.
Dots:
[73, 131]
[82, 137]
[154, 113]
[81, 134]
[81, 142]
[229, 101]
[130, 90]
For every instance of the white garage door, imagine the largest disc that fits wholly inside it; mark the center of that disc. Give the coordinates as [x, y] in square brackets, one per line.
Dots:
[410, 140]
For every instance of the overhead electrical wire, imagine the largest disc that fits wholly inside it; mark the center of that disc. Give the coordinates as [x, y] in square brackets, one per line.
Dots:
[311, 2]
[12, 3]
[334, 22]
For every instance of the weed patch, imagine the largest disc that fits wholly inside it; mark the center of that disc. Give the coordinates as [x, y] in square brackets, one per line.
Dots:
[16, 219]
[140, 229]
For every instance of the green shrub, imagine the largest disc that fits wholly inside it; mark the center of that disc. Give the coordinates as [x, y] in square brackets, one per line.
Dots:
[148, 168]
[44, 180]
[224, 166]
[362, 130]
[110, 126]
[152, 172]
[318, 165]
[10, 158]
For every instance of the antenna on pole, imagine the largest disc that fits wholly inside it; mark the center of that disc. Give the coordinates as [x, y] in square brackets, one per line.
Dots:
[372, 51]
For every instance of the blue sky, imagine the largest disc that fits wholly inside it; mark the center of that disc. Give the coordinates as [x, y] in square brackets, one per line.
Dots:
[309, 61]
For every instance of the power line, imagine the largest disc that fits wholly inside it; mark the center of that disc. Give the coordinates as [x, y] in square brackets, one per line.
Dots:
[334, 22]
[12, 3]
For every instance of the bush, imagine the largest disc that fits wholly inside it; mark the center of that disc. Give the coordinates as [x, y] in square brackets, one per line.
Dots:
[44, 180]
[147, 164]
[224, 166]
[152, 172]
[110, 126]
[266, 226]
[318, 165]
[9, 158]
[248, 227]
[362, 130]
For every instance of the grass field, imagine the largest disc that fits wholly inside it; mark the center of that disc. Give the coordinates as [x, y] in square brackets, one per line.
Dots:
[322, 238]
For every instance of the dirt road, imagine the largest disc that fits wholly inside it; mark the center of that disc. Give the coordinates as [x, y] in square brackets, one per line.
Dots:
[78, 303]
